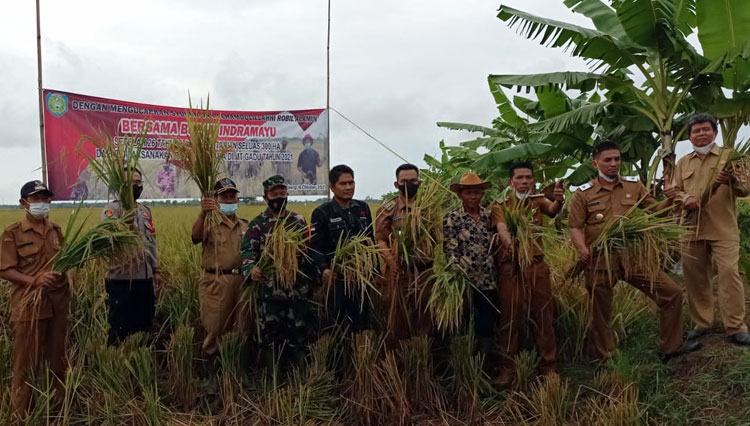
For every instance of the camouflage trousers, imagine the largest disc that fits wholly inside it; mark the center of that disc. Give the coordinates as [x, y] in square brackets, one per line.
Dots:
[287, 321]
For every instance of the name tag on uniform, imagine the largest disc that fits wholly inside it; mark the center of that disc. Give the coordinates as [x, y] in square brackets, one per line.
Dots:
[336, 219]
[593, 203]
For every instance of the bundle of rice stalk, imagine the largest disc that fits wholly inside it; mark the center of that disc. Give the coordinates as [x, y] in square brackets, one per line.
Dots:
[200, 156]
[447, 299]
[357, 262]
[644, 239]
[422, 228]
[108, 240]
[737, 163]
[519, 220]
[283, 249]
[115, 162]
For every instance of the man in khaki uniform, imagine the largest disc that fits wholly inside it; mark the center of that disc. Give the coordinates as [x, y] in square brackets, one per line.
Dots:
[39, 329]
[714, 248]
[602, 199]
[220, 292]
[405, 279]
[525, 289]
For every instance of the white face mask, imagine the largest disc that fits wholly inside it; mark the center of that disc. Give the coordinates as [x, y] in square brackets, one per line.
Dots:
[607, 178]
[39, 210]
[522, 196]
[703, 150]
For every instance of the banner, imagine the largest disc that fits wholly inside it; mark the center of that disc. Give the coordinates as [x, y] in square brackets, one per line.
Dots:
[293, 144]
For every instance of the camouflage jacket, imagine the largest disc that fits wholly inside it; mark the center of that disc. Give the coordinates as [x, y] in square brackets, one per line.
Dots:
[253, 244]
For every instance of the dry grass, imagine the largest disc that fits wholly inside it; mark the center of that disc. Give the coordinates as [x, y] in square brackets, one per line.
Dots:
[140, 382]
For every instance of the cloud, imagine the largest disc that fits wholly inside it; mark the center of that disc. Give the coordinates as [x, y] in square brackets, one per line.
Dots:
[397, 67]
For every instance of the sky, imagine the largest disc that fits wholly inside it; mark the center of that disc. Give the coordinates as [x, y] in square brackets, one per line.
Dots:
[397, 67]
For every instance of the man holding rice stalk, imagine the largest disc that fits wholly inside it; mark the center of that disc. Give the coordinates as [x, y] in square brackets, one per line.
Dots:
[615, 237]
[29, 248]
[470, 245]
[408, 265]
[344, 252]
[133, 284]
[274, 259]
[707, 182]
[220, 291]
[524, 277]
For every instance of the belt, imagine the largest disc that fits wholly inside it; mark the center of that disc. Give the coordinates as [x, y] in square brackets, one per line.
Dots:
[235, 271]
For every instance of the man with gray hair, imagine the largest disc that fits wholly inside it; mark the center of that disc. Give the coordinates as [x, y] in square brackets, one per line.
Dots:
[713, 249]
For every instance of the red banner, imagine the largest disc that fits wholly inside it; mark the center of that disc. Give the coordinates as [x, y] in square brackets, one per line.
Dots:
[262, 143]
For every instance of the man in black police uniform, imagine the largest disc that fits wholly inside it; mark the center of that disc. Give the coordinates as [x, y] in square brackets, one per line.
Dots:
[341, 216]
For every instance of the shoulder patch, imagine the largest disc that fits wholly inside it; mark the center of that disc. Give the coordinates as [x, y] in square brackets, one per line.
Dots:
[584, 187]
[389, 205]
[109, 212]
[632, 178]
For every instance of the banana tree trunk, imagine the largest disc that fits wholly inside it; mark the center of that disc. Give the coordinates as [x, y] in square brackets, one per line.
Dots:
[730, 128]
[668, 160]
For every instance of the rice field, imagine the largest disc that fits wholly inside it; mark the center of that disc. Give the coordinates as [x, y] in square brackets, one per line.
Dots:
[162, 378]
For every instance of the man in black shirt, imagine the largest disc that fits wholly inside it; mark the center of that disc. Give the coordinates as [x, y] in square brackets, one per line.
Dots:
[342, 217]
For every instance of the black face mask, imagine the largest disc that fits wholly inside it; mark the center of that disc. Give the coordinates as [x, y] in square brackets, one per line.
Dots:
[276, 204]
[137, 190]
[410, 188]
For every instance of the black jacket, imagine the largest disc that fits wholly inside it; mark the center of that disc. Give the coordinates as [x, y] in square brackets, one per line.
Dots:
[330, 221]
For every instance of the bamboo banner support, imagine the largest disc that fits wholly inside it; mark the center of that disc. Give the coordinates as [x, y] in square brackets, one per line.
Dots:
[328, 88]
[41, 93]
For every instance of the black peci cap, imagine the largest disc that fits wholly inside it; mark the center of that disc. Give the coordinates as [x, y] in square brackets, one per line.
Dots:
[34, 187]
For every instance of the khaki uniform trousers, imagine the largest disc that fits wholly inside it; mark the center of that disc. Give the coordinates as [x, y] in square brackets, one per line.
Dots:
[658, 287]
[521, 298]
[223, 307]
[701, 261]
[406, 298]
[35, 342]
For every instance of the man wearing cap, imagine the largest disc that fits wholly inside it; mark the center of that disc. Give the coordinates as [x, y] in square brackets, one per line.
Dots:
[406, 277]
[525, 288]
[341, 218]
[27, 253]
[220, 294]
[132, 285]
[716, 240]
[309, 161]
[284, 314]
[470, 244]
[605, 198]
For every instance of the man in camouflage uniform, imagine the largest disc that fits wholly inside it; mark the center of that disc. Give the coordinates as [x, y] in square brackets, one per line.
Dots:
[405, 279]
[223, 306]
[283, 313]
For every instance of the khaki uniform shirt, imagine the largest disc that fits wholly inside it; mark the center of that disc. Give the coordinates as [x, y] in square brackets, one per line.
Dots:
[222, 244]
[389, 218]
[30, 248]
[145, 266]
[718, 218]
[539, 205]
[593, 205]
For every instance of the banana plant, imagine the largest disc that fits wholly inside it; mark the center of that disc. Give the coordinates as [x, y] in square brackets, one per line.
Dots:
[632, 40]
